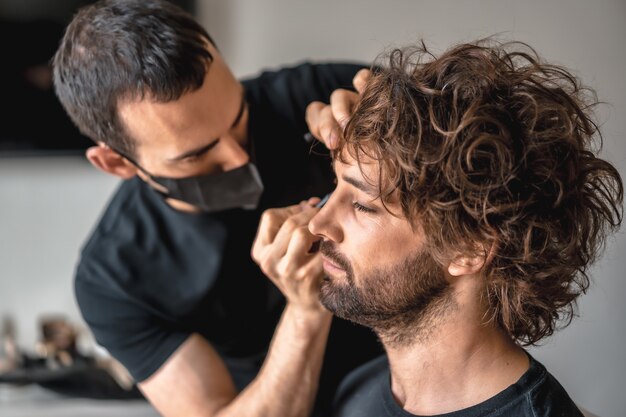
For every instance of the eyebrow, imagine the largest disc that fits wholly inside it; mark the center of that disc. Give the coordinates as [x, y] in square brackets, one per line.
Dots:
[206, 148]
[361, 185]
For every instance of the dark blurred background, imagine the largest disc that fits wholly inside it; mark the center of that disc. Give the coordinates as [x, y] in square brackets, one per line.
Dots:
[33, 121]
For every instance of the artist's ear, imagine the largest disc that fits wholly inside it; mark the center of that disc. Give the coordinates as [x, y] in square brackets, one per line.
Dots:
[111, 162]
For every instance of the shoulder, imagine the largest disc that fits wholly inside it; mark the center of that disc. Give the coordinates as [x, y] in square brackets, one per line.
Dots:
[140, 243]
[126, 204]
[106, 259]
[293, 88]
[548, 398]
[117, 226]
[541, 395]
[362, 392]
[323, 75]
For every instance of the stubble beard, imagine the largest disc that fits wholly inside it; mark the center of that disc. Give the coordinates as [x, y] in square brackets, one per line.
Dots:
[402, 303]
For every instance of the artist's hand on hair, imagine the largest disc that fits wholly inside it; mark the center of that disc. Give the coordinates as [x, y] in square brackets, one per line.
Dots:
[282, 250]
[327, 121]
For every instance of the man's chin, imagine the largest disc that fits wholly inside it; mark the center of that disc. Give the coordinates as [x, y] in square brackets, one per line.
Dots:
[334, 297]
[328, 292]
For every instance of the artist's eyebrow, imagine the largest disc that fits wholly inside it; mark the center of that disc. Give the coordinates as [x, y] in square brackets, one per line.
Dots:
[362, 185]
[195, 152]
[206, 148]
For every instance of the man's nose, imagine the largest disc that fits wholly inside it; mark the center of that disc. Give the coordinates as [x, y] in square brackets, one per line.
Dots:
[233, 155]
[324, 223]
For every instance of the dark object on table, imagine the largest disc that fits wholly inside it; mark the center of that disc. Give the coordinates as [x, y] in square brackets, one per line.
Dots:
[60, 367]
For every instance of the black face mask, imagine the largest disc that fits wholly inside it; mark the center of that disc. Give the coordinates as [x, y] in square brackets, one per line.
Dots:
[238, 188]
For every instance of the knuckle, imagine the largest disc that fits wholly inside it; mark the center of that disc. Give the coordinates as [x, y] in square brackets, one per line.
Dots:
[267, 215]
[281, 271]
[254, 253]
[268, 268]
[338, 94]
[313, 108]
[327, 126]
[300, 275]
[326, 112]
[363, 73]
[301, 234]
[291, 223]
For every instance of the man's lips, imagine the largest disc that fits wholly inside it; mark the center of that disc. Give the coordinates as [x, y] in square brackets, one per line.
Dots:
[330, 266]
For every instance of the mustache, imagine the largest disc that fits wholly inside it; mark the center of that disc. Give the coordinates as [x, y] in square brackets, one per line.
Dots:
[329, 250]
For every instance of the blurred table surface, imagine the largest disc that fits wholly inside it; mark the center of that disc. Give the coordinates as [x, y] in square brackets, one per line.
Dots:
[35, 401]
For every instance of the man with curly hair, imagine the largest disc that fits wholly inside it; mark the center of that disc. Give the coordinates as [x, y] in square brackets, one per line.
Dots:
[470, 202]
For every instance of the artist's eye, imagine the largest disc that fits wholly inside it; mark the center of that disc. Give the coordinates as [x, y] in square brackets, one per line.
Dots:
[362, 208]
[191, 158]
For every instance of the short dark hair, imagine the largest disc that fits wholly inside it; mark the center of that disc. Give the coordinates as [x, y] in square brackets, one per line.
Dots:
[488, 146]
[126, 49]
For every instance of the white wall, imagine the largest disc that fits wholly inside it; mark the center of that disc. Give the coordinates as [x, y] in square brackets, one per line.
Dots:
[586, 36]
[48, 205]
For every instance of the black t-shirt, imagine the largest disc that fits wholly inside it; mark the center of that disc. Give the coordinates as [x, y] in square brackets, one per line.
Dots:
[149, 275]
[366, 392]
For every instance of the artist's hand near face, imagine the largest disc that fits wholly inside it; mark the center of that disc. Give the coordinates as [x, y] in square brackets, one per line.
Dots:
[282, 250]
[326, 121]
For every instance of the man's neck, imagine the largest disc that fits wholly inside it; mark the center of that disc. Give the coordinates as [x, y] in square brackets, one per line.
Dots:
[460, 364]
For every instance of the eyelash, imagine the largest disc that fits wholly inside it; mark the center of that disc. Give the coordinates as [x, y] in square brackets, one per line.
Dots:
[362, 208]
[192, 158]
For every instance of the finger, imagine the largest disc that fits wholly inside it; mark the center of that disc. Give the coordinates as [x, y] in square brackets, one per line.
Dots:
[342, 103]
[285, 234]
[269, 226]
[313, 201]
[311, 274]
[302, 286]
[312, 117]
[303, 278]
[278, 260]
[315, 270]
[299, 245]
[360, 79]
[328, 127]
[272, 220]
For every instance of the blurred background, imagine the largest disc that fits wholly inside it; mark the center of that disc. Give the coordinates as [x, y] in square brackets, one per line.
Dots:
[51, 197]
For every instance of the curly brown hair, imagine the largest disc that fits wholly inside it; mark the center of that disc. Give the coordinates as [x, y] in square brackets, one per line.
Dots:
[491, 147]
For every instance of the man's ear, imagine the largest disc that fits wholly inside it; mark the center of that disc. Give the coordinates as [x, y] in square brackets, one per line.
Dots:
[111, 162]
[466, 265]
[471, 264]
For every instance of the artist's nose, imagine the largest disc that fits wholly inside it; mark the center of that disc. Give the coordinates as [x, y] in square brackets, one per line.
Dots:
[233, 155]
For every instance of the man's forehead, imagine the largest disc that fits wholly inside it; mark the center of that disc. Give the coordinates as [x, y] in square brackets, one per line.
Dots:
[366, 175]
[362, 174]
[365, 167]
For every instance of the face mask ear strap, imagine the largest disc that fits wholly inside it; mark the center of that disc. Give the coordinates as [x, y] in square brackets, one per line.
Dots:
[132, 161]
[156, 184]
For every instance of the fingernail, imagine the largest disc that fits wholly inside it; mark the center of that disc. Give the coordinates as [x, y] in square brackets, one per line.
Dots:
[332, 140]
[323, 201]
